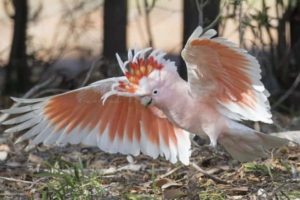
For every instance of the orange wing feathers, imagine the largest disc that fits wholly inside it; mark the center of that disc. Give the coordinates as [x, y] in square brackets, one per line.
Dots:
[121, 124]
[219, 70]
[233, 81]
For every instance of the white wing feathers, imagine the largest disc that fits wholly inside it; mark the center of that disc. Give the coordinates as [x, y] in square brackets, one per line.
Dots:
[120, 125]
[218, 69]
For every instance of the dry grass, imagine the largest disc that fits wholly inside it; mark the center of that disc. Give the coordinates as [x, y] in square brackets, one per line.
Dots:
[86, 173]
[76, 172]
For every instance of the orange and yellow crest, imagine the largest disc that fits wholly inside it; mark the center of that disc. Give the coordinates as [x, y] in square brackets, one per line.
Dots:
[141, 68]
[137, 67]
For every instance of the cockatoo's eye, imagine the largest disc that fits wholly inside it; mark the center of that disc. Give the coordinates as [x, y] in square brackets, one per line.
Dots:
[155, 92]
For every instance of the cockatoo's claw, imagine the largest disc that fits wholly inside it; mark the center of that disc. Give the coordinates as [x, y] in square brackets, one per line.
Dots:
[213, 144]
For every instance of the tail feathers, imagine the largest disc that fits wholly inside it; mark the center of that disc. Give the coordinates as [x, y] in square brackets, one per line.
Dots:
[245, 144]
[292, 136]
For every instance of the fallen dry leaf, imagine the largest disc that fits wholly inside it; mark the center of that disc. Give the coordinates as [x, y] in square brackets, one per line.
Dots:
[173, 193]
[35, 159]
[238, 190]
[165, 183]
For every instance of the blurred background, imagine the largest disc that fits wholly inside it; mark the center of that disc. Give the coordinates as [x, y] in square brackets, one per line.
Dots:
[47, 47]
[52, 46]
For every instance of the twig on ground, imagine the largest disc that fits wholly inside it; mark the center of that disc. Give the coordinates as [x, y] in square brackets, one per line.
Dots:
[277, 189]
[16, 180]
[171, 172]
[13, 194]
[163, 175]
[214, 178]
[35, 182]
[285, 195]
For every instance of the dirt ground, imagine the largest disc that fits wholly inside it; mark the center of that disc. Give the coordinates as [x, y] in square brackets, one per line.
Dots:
[75, 172]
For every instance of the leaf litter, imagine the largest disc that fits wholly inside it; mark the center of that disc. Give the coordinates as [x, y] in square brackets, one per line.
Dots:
[78, 172]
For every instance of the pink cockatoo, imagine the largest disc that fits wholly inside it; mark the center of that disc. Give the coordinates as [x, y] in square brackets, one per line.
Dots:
[153, 110]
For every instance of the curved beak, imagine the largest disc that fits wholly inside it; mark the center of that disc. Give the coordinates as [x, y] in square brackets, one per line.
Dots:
[146, 100]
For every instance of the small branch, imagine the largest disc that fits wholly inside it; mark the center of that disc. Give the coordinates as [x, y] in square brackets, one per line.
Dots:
[49, 91]
[213, 23]
[277, 189]
[214, 178]
[241, 25]
[216, 20]
[200, 6]
[15, 180]
[35, 182]
[170, 172]
[28, 94]
[38, 87]
[97, 62]
[288, 92]
[32, 184]
[13, 194]
[164, 175]
[148, 25]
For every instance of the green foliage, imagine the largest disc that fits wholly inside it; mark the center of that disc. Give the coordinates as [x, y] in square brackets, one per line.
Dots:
[139, 197]
[212, 194]
[257, 168]
[153, 178]
[69, 181]
[293, 194]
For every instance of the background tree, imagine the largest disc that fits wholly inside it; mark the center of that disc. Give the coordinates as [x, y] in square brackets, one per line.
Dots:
[115, 21]
[295, 40]
[17, 69]
[195, 13]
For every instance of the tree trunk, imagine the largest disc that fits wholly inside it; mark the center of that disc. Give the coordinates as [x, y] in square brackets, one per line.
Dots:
[190, 22]
[210, 13]
[295, 42]
[115, 21]
[203, 15]
[193, 16]
[17, 69]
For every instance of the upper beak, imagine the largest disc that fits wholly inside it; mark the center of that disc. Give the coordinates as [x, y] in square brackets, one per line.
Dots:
[146, 100]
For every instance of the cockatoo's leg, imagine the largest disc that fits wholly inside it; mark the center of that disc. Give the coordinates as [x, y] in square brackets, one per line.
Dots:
[212, 132]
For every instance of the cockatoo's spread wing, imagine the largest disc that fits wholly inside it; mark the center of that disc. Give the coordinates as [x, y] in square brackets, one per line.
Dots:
[218, 69]
[120, 124]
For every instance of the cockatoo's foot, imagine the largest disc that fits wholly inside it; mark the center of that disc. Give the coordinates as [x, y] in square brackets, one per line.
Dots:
[213, 147]
[198, 140]
[213, 144]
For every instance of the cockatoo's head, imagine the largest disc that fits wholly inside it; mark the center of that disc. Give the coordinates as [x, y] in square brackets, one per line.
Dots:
[148, 76]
